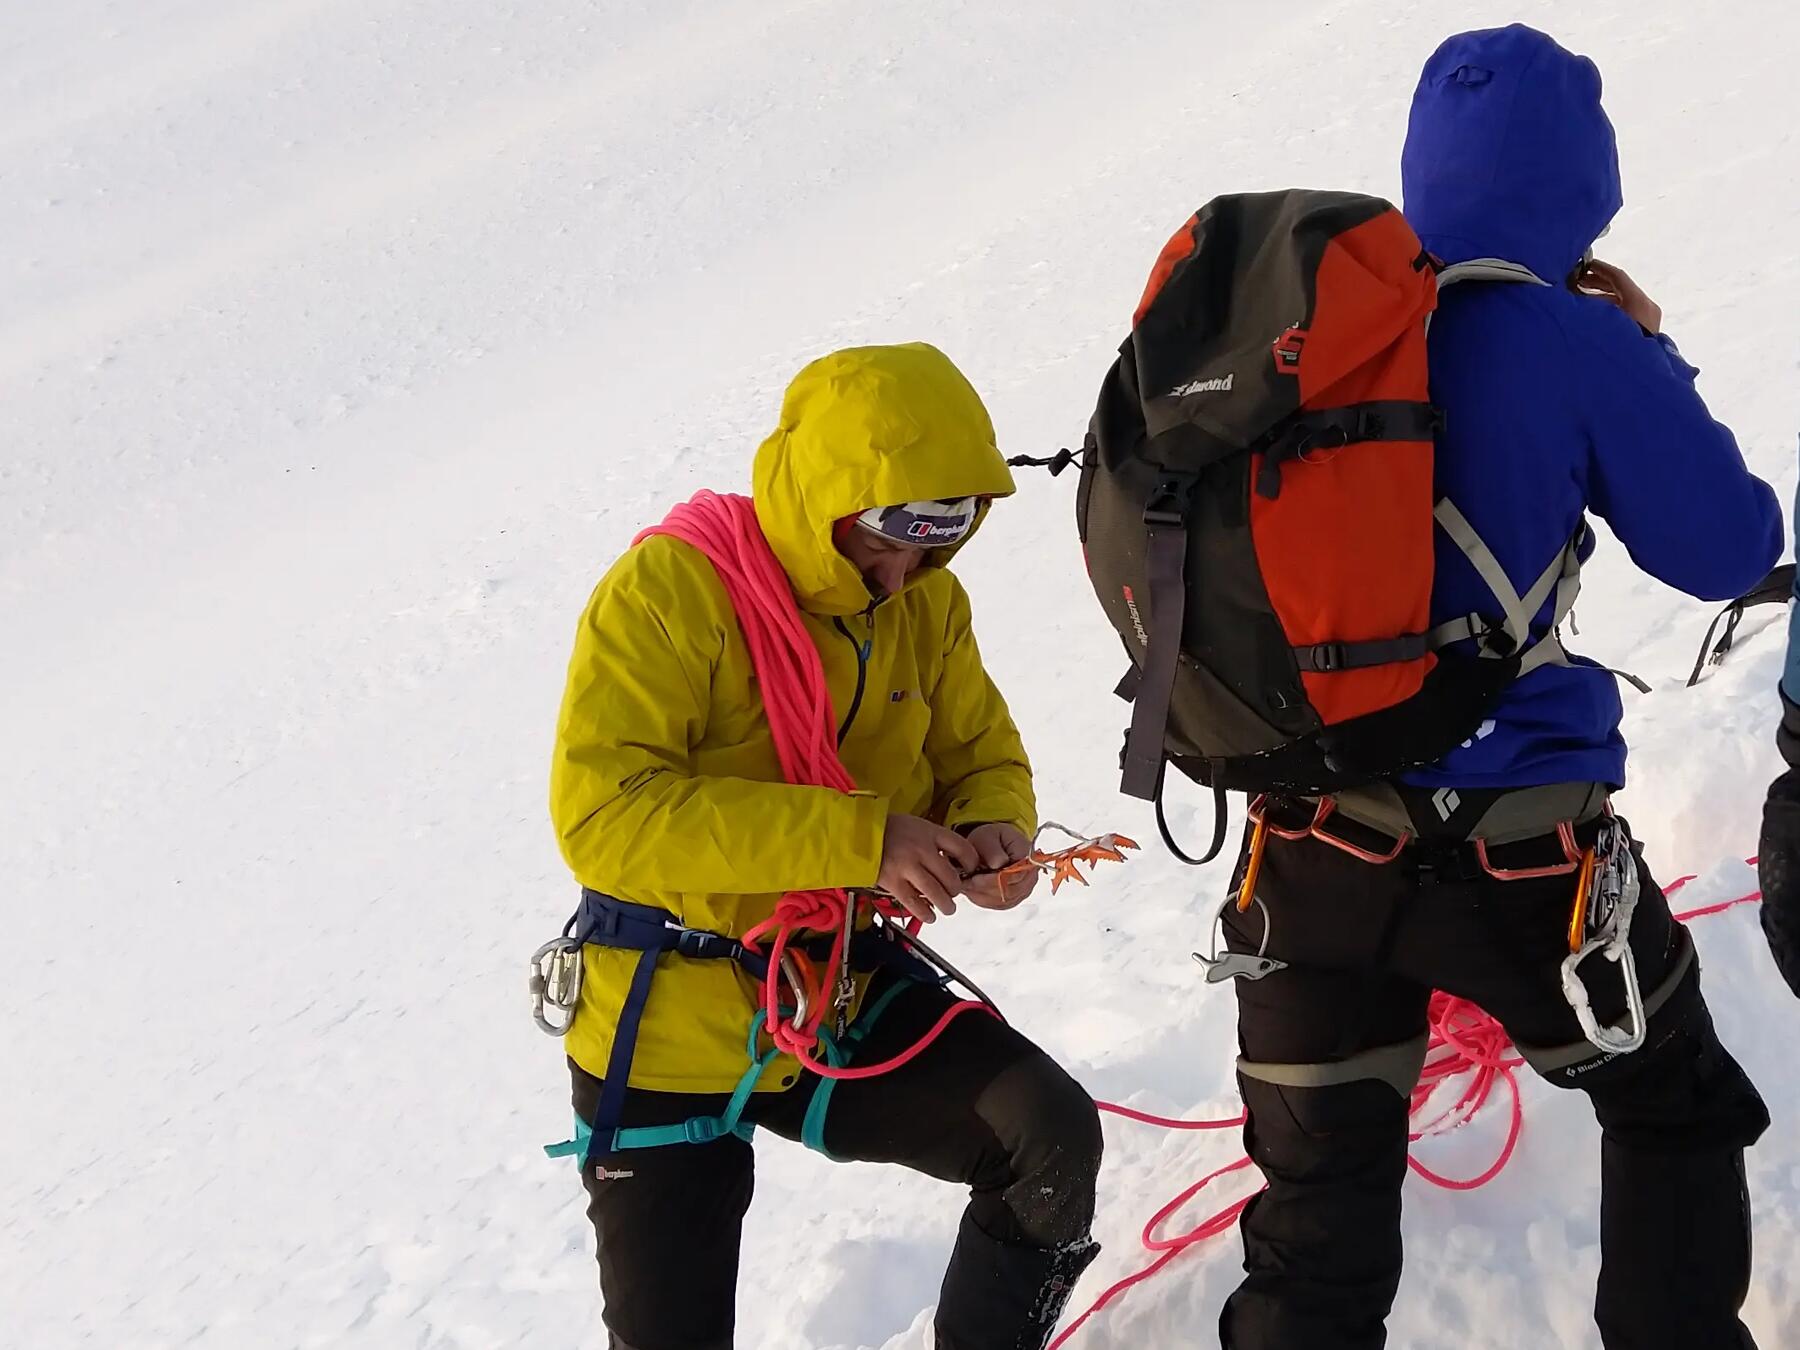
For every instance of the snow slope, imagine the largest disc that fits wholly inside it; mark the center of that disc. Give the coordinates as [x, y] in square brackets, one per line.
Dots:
[344, 342]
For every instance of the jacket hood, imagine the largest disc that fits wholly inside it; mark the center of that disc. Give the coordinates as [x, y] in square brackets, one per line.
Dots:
[863, 427]
[1509, 153]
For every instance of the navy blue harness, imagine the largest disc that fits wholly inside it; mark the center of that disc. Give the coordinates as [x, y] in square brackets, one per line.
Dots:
[605, 921]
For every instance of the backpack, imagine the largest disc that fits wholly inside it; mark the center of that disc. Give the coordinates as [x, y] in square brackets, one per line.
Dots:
[1257, 509]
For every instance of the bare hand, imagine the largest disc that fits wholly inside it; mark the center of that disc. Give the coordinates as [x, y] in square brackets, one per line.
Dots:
[1609, 282]
[999, 845]
[922, 866]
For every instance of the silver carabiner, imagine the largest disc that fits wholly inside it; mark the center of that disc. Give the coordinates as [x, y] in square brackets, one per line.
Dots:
[1611, 905]
[1610, 1040]
[843, 992]
[555, 982]
[1222, 966]
[802, 1006]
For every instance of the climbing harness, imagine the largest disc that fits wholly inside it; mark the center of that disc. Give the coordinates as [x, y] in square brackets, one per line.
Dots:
[605, 921]
[806, 977]
[1606, 896]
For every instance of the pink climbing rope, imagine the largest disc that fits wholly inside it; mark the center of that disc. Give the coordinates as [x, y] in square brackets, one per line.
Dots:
[802, 722]
[1464, 1040]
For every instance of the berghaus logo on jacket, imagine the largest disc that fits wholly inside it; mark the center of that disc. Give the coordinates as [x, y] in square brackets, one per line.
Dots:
[1220, 385]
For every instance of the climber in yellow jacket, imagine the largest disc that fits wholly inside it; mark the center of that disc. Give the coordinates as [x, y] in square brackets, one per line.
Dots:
[666, 793]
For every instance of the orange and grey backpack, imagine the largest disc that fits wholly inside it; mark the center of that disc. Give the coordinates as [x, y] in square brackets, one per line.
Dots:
[1257, 508]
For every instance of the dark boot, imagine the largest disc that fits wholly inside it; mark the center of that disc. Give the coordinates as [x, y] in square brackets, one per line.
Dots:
[1001, 1296]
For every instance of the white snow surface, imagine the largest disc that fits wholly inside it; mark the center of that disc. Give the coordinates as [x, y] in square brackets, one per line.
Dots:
[345, 342]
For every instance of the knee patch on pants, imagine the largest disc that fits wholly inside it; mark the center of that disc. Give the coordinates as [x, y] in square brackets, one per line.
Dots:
[1049, 1130]
[1326, 1122]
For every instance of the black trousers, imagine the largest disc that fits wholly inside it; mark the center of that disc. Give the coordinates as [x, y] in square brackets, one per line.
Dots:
[982, 1106]
[1367, 944]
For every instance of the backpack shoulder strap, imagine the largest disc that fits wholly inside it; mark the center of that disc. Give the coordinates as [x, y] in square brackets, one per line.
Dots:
[1488, 269]
[1562, 578]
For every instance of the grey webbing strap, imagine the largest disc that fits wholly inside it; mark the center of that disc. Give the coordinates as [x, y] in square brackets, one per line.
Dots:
[1470, 626]
[1488, 269]
[1562, 577]
[1547, 652]
[1398, 1066]
[1484, 269]
[1165, 571]
[1482, 559]
[1551, 1060]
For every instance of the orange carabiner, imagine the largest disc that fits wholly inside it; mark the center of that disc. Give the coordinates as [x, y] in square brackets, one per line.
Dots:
[1259, 840]
[1584, 887]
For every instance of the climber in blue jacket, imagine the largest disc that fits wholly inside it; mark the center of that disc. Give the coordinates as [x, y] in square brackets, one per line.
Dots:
[1558, 403]
[1561, 398]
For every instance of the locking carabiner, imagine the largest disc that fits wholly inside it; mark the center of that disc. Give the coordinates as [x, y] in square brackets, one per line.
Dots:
[555, 983]
[1606, 898]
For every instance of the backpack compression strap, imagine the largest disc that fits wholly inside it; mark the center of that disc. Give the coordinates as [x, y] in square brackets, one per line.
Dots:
[1165, 570]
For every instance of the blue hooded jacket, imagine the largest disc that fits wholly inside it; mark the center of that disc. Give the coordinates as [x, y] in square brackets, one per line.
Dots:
[1556, 403]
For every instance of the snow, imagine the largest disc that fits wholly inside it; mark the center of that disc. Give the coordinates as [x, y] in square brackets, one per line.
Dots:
[343, 344]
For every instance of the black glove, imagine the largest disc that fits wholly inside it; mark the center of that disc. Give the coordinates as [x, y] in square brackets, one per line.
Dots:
[1778, 858]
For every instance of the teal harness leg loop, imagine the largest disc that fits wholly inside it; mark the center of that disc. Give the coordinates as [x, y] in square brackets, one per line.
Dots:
[575, 1148]
[695, 1130]
[812, 1127]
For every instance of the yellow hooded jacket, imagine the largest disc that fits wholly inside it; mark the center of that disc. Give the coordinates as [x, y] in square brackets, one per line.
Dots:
[665, 789]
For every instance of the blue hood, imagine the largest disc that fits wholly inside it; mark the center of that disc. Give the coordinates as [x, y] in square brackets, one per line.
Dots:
[1508, 152]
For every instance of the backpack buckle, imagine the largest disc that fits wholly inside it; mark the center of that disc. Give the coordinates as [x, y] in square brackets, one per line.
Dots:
[1326, 657]
[1168, 505]
[702, 945]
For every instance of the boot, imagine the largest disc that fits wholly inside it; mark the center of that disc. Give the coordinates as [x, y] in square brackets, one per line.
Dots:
[999, 1296]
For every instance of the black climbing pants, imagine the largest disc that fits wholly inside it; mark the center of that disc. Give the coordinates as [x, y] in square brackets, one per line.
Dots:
[982, 1106]
[1366, 944]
